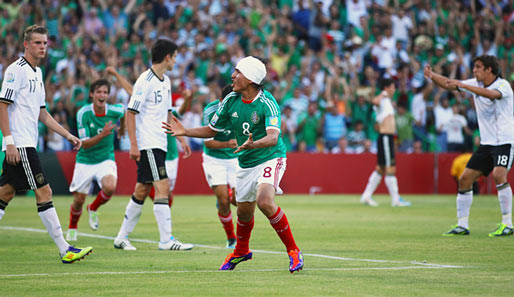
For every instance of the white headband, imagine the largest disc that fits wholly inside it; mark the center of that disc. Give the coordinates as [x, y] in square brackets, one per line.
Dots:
[252, 68]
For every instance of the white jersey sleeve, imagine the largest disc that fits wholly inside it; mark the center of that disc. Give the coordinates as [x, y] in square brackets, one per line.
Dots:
[139, 95]
[12, 83]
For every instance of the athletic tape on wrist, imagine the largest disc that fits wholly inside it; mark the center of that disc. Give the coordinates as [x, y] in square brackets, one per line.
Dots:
[9, 140]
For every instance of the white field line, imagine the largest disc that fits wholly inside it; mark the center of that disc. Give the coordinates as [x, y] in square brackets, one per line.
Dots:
[416, 264]
[207, 271]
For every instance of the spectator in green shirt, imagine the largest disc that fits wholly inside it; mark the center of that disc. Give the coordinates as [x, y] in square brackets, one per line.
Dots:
[404, 124]
[309, 128]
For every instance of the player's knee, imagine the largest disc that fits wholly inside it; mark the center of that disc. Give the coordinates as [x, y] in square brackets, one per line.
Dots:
[109, 189]
[465, 182]
[499, 178]
[79, 200]
[224, 205]
[265, 204]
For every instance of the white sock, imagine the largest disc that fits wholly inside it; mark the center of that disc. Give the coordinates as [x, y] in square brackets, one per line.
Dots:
[2, 212]
[53, 226]
[464, 201]
[132, 215]
[162, 214]
[392, 186]
[373, 182]
[505, 198]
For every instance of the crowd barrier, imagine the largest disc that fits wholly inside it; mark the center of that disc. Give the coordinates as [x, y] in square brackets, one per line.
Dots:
[306, 173]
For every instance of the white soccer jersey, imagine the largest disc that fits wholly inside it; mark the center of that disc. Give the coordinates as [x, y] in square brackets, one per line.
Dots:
[495, 117]
[23, 89]
[151, 101]
[384, 109]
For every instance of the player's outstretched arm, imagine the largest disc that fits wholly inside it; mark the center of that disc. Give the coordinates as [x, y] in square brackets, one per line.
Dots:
[491, 94]
[439, 80]
[216, 144]
[270, 139]
[175, 128]
[51, 123]
[125, 84]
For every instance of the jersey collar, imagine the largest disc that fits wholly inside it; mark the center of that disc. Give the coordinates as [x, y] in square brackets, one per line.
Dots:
[33, 68]
[250, 101]
[99, 115]
[157, 75]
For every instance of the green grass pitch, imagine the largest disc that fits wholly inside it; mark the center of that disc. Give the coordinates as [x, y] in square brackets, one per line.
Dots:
[350, 250]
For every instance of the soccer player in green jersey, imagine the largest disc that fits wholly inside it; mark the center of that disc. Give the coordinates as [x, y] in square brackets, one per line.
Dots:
[219, 165]
[253, 115]
[95, 160]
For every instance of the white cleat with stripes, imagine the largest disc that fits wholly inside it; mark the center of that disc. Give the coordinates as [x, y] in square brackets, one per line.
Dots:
[175, 245]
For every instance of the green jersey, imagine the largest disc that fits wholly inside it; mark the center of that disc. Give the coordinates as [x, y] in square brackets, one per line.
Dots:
[89, 125]
[243, 118]
[222, 153]
[172, 152]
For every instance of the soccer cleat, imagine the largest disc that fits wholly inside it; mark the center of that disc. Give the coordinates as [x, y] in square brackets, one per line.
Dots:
[400, 203]
[175, 245]
[295, 261]
[71, 235]
[231, 243]
[231, 261]
[502, 230]
[123, 244]
[369, 202]
[457, 230]
[75, 254]
[93, 219]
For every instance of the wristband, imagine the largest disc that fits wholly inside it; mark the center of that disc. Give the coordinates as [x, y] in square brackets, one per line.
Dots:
[9, 140]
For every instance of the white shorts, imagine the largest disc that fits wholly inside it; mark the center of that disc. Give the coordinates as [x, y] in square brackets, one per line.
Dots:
[83, 175]
[171, 171]
[249, 179]
[219, 171]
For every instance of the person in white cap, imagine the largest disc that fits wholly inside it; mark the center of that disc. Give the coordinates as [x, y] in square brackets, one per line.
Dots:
[253, 115]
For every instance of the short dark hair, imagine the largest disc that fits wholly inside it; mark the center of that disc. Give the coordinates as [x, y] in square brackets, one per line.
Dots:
[489, 62]
[161, 48]
[386, 82]
[98, 83]
[226, 90]
[27, 34]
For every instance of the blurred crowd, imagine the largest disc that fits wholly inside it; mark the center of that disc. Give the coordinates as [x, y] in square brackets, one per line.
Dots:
[325, 59]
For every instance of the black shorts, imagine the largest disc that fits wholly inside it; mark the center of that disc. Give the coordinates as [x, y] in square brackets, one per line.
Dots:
[27, 174]
[486, 157]
[385, 150]
[151, 166]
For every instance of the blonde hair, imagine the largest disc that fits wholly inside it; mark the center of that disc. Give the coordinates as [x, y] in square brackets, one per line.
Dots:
[27, 34]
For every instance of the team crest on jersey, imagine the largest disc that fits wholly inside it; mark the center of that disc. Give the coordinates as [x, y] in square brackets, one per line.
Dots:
[9, 77]
[162, 171]
[40, 178]
[255, 118]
